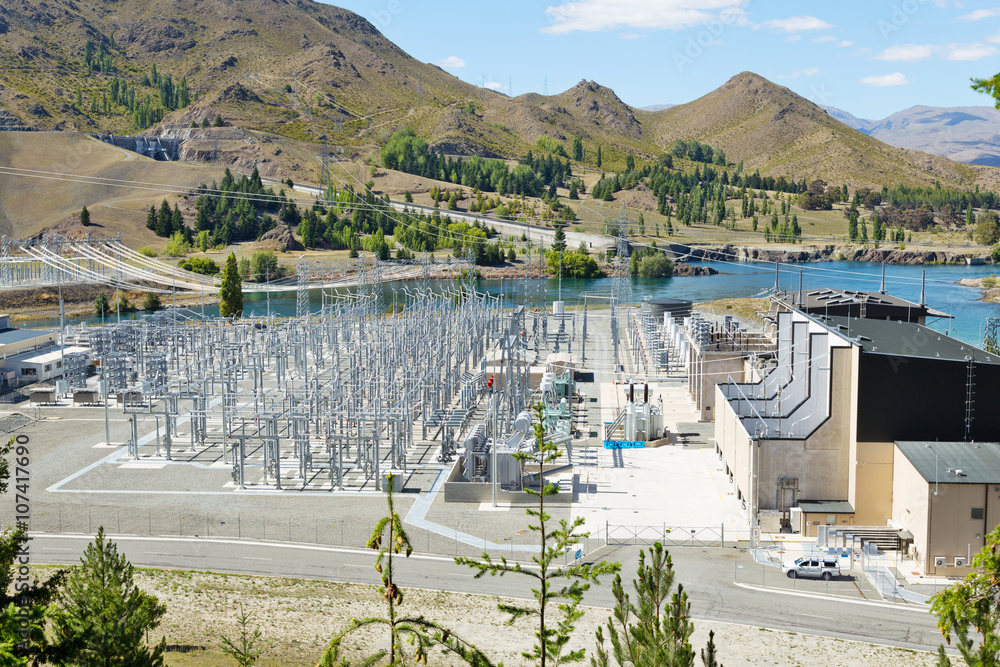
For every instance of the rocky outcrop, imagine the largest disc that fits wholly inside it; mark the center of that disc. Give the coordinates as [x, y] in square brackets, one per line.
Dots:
[896, 256]
[282, 237]
[731, 253]
[889, 255]
[685, 269]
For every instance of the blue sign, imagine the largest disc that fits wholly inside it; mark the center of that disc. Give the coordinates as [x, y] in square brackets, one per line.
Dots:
[624, 444]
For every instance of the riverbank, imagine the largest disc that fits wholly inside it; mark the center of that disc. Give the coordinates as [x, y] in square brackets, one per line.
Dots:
[833, 253]
[988, 285]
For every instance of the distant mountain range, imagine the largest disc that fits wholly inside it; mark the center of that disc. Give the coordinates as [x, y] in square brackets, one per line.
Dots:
[964, 134]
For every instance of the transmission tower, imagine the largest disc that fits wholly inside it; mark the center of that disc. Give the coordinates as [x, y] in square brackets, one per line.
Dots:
[990, 342]
[324, 174]
[621, 288]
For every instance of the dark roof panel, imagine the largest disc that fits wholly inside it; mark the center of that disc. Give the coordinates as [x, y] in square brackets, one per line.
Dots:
[978, 463]
[904, 339]
[826, 507]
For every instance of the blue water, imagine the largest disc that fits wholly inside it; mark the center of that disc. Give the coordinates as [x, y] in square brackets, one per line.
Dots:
[734, 280]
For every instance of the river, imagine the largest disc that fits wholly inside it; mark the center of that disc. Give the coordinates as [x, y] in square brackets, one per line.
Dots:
[736, 279]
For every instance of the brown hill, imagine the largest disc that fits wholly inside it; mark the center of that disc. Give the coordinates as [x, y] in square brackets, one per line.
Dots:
[305, 70]
[771, 128]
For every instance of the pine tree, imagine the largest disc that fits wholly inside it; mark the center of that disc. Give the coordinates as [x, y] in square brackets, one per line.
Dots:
[102, 616]
[231, 292]
[176, 220]
[23, 603]
[559, 241]
[656, 628]
[85, 217]
[562, 587]
[164, 222]
[600, 159]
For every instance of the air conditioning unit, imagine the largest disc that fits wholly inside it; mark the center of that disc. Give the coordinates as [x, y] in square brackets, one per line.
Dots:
[940, 561]
[959, 561]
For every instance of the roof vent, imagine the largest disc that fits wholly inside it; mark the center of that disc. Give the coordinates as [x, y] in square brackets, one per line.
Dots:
[960, 473]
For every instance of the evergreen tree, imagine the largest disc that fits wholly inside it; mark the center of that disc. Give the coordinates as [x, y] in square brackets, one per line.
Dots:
[176, 220]
[852, 225]
[656, 628]
[103, 617]
[600, 159]
[164, 222]
[23, 602]
[231, 292]
[578, 149]
[85, 217]
[552, 636]
[102, 303]
[559, 241]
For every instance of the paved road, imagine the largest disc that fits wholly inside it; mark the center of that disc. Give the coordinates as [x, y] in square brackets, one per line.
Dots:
[706, 574]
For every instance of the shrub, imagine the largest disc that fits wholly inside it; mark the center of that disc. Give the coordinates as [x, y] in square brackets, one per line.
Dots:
[148, 252]
[657, 265]
[177, 246]
[202, 265]
[152, 302]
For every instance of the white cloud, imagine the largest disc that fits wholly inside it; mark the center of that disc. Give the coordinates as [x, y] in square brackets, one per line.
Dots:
[825, 38]
[911, 53]
[994, 39]
[793, 38]
[906, 53]
[631, 35]
[452, 62]
[974, 51]
[844, 44]
[597, 15]
[798, 24]
[794, 74]
[493, 85]
[897, 79]
[980, 14]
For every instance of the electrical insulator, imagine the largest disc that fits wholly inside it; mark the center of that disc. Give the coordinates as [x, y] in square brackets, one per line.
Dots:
[489, 383]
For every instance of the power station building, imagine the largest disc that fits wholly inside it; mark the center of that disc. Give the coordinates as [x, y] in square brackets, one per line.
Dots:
[826, 436]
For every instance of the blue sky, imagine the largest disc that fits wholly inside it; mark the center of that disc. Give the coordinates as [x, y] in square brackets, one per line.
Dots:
[868, 58]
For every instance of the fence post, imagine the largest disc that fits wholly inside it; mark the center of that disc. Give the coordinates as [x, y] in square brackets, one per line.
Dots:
[723, 536]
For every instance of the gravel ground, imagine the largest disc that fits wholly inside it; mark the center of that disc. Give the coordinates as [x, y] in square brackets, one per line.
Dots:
[298, 617]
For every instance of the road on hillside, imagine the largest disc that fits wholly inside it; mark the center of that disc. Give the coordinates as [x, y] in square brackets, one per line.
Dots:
[707, 576]
[540, 236]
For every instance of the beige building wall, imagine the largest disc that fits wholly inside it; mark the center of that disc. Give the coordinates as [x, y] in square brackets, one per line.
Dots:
[820, 463]
[871, 482]
[708, 368]
[812, 521]
[734, 443]
[910, 503]
[942, 525]
[11, 349]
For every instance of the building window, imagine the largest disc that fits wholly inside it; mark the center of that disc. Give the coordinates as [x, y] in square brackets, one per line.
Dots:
[831, 519]
[978, 513]
[28, 371]
[58, 364]
[48, 367]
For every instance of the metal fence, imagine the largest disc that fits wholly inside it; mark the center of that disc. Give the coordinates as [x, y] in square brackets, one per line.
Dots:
[880, 569]
[668, 536]
[465, 539]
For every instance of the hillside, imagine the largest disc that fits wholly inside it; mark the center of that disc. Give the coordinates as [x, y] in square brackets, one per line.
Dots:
[770, 128]
[306, 70]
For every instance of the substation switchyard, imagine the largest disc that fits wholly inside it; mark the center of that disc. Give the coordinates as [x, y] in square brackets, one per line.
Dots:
[348, 395]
